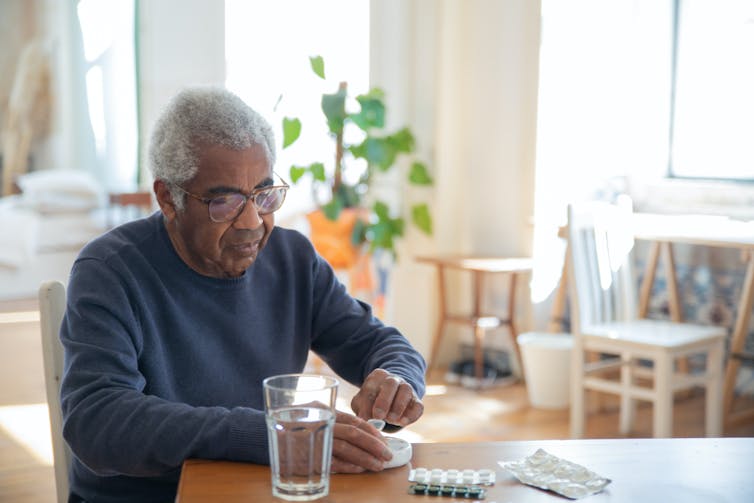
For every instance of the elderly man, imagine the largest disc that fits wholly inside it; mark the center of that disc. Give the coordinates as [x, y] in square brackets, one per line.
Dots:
[173, 321]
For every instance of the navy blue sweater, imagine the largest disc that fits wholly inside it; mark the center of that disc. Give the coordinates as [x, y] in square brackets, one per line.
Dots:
[164, 364]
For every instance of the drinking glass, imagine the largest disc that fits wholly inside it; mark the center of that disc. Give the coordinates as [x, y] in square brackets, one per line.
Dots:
[300, 415]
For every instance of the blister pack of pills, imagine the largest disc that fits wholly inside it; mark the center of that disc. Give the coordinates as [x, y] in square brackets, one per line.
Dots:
[437, 476]
[564, 477]
[449, 490]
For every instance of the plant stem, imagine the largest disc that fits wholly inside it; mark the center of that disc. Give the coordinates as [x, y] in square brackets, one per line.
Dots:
[338, 178]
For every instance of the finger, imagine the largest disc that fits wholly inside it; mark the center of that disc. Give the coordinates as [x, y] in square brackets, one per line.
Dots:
[363, 402]
[361, 435]
[402, 399]
[358, 443]
[413, 412]
[358, 459]
[349, 419]
[340, 466]
[384, 401]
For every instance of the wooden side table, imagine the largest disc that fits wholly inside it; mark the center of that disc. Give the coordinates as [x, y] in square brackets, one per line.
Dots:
[477, 320]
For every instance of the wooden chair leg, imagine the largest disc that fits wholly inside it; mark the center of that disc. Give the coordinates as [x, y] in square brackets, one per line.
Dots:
[662, 424]
[578, 406]
[713, 399]
[627, 402]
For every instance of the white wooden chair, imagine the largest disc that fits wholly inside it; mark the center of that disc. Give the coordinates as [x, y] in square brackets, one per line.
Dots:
[51, 310]
[604, 322]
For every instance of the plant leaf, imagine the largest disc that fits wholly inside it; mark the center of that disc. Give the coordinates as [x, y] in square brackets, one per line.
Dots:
[317, 170]
[334, 107]
[422, 218]
[318, 65]
[359, 233]
[377, 151]
[419, 174]
[372, 113]
[402, 141]
[381, 210]
[291, 130]
[296, 173]
[332, 209]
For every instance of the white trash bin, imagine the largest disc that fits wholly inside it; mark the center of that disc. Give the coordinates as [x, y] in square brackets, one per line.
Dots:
[547, 368]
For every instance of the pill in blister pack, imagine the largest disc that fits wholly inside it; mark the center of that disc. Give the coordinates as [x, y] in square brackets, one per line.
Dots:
[437, 476]
[450, 490]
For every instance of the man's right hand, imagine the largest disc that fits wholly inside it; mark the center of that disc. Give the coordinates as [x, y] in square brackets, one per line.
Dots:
[357, 446]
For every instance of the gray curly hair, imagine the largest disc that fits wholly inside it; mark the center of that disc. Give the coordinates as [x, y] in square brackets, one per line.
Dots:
[202, 115]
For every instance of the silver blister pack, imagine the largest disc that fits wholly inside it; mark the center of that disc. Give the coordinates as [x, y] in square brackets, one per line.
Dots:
[564, 477]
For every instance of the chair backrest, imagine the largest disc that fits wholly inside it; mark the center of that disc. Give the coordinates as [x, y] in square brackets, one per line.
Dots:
[125, 206]
[51, 310]
[603, 287]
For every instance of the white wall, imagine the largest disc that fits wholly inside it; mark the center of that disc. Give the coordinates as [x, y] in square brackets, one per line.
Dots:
[463, 74]
[182, 42]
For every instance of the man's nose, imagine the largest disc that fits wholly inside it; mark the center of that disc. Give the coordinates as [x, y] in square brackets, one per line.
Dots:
[249, 218]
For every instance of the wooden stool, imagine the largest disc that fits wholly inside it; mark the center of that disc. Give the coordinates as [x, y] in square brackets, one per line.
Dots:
[477, 320]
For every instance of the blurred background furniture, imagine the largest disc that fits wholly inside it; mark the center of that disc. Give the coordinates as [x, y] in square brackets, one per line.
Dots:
[605, 323]
[702, 230]
[479, 320]
[124, 206]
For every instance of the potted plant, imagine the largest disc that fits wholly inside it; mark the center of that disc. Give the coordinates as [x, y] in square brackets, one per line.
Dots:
[341, 186]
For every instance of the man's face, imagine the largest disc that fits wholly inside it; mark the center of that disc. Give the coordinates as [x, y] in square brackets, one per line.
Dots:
[220, 249]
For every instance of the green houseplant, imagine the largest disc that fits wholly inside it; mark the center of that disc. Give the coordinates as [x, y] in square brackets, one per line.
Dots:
[375, 226]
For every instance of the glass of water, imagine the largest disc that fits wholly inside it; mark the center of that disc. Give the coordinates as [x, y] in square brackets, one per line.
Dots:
[300, 414]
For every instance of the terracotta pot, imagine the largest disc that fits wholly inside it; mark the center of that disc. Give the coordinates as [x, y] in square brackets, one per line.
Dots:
[332, 238]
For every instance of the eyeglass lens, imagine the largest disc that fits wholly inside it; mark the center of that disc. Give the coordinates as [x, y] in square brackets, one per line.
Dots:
[229, 206]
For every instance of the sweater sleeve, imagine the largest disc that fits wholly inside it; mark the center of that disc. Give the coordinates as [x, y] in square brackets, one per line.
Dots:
[110, 423]
[353, 341]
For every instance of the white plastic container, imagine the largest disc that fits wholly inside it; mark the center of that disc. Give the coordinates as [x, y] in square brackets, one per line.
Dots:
[547, 361]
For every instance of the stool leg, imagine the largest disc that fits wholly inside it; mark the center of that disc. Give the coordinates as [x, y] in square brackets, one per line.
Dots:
[441, 317]
[512, 322]
[478, 352]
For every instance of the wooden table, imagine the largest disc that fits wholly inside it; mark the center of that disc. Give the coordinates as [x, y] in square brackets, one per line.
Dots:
[702, 230]
[477, 319]
[647, 470]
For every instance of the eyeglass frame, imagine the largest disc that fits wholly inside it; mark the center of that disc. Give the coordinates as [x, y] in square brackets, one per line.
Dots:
[251, 196]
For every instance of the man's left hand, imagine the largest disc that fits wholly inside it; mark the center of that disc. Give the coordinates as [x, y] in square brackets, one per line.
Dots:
[388, 397]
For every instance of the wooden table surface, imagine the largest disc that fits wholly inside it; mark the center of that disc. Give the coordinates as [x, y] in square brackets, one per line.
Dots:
[642, 470]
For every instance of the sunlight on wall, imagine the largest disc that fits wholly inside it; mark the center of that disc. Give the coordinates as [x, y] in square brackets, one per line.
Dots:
[29, 425]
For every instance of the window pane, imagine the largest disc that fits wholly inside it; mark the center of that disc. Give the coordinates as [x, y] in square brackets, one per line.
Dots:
[713, 123]
[267, 47]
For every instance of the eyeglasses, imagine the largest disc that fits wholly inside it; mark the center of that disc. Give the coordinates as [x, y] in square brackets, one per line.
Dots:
[227, 207]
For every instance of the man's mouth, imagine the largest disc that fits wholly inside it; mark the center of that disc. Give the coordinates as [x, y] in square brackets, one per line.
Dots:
[246, 248]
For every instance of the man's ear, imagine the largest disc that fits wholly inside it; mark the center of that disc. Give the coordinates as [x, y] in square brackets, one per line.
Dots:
[164, 199]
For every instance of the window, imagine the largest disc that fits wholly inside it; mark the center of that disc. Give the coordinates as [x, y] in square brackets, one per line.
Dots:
[107, 33]
[267, 47]
[712, 109]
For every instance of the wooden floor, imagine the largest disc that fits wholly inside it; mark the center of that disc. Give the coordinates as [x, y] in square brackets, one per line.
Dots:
[452, 414]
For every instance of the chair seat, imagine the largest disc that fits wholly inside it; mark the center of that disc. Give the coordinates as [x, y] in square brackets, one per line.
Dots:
[654, 333]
